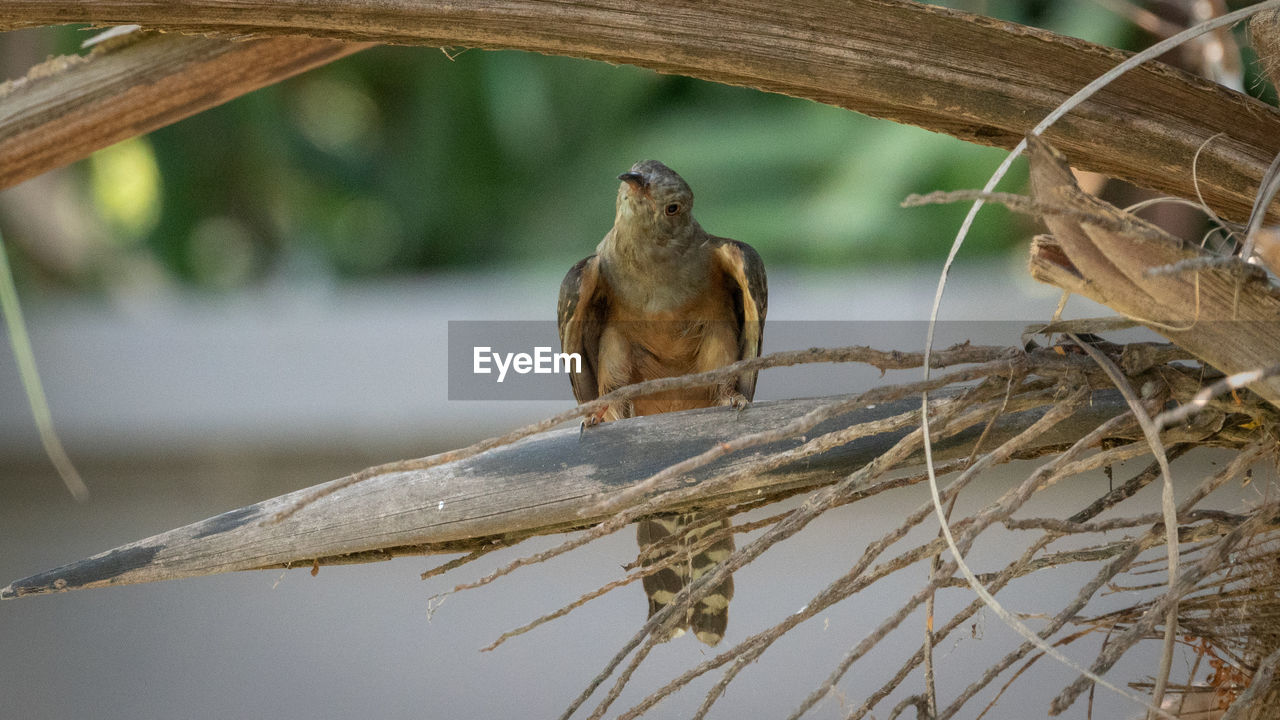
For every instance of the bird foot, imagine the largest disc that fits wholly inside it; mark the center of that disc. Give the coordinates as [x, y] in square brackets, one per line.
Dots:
[592, 420]
[733, 399]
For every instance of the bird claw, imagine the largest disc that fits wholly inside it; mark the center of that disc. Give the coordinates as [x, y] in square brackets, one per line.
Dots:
[591, 420]
[735, 400]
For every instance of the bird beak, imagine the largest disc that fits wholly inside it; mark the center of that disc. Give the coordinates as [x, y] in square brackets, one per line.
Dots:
[634, 179]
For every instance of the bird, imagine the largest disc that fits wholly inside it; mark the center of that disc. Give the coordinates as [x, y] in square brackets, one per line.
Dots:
[661, 297]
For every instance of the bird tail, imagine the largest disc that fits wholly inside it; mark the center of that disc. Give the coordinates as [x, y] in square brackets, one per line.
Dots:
[681, 543]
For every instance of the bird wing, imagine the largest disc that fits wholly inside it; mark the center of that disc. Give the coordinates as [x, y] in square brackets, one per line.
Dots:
[743, 267]
[580, 316]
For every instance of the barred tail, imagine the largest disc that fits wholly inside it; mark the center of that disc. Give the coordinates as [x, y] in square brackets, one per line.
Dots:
[678, 541]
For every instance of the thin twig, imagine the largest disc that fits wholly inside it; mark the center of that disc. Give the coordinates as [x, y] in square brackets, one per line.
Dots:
[1260, 683]
[1187, 581]
[859, 577]
[795, 521]
[460, 561]
[1117, 565]
[981, 521]
[1227, 384]
[1011, 571]
[1266, 192]
[935, 566]
[1129, 488]
[1027, 666]
[1152, 433]
[20, 341]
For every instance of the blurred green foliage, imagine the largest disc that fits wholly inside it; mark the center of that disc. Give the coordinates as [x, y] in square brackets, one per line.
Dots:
[400, 160]
[405, 159]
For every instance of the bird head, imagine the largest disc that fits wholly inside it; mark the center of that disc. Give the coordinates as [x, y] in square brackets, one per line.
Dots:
[655, 203]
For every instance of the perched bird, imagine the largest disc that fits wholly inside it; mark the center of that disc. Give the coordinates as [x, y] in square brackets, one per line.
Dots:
[661, 297]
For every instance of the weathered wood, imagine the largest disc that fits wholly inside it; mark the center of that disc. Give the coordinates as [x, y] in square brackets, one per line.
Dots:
[1227, 317]
[1264, 33]
[537, 486]
[68, 107]
[979, 79]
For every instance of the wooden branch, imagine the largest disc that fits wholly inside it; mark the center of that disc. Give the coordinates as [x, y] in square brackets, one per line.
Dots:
[1228, 317]
[979, 79]
[539, 485]
[1264, 33]
[68, 107]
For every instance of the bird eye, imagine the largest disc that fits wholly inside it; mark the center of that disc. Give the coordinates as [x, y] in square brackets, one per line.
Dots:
[673, 208]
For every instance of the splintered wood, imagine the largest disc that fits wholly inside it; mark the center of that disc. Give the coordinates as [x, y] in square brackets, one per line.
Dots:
[1225, 314]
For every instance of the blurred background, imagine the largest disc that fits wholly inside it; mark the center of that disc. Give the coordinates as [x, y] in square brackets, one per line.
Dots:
[255, 299]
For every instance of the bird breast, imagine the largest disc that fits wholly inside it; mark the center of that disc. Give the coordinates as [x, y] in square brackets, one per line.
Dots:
[696, 335]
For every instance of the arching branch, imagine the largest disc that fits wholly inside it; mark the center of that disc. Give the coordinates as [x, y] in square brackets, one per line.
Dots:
[977, 78]
[68, 107]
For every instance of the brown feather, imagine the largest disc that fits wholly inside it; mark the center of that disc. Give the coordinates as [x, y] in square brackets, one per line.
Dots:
[580, 315]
